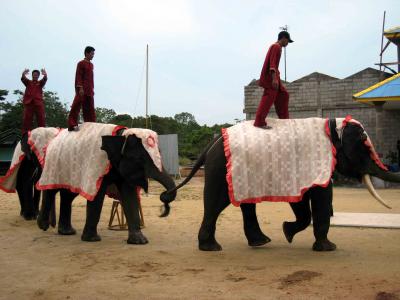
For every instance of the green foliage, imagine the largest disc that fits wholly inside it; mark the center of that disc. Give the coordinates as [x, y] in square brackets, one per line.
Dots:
[104, 115]
[12, 112]
[192, 138]
[3, 94]
[56, 112]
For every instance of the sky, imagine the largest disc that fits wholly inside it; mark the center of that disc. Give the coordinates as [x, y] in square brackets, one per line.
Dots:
[201, 53]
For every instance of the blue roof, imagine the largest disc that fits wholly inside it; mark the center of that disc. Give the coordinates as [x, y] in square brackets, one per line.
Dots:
[388, 89]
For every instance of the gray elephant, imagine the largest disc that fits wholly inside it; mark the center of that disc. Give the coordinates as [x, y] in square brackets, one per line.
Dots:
[353, 160]
[131, 166]
[25, 171]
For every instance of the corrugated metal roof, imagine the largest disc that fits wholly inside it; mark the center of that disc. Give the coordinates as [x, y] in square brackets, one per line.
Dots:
[10, 136]
[393, 34]
[386, 90]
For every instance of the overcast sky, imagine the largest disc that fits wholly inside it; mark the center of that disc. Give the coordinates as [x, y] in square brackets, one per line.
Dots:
[202, 53]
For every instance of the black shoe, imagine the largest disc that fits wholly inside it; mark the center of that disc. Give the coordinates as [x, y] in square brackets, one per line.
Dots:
[73, 128]
[264, 127]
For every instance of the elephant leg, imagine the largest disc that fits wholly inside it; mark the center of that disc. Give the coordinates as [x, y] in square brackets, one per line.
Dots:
[43, 219]
[20, 192]
[93, 212]
[215, 201]
[252, 230]
[27, 186]
[36, 200]
[130, 204]
[321, 204]
[22, 178]
[64, 221]
[303, 217]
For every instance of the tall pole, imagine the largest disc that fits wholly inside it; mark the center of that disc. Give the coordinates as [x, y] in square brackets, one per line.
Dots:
[147, 85]
[285, 28]
[383, 30]
[284, 53]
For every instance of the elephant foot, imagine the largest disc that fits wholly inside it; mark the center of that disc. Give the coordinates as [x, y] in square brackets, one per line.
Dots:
[210, 246]
[137, 238]
[324, 245]
[29, 216]
[42, 223]
[262, 240]
[66, 230]
[288, 235]
[90, 237]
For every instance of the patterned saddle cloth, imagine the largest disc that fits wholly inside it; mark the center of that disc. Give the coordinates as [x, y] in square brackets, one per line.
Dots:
[75, 161]
[282, 163]
[38, 139]
[279, 164]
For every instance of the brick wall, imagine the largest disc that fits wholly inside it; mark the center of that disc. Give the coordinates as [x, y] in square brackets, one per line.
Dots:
[320, 95]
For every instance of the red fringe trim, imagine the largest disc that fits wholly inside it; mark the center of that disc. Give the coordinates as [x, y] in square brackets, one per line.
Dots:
[73, 189]
[298, 198]
[9, 173]
[372, 152]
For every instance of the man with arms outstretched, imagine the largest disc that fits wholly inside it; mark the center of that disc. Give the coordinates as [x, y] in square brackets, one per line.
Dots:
[33, 99]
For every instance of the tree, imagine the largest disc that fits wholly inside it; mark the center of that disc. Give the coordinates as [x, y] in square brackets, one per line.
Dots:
[123, 120]
[56, 112]
[3, 94]
[185, 118]
[104, 115]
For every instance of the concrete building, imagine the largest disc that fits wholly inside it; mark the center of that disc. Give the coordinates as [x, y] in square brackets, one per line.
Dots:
[320, 95]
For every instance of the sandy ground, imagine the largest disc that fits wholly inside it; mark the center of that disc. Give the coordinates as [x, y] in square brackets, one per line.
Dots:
[43, 265]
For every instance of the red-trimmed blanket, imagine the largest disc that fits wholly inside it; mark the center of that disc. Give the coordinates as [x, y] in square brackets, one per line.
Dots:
[75, 161]
[279, 164]
[38, 140]
[282, 163]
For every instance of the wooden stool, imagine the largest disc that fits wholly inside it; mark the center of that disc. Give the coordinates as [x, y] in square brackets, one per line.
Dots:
[122, 225]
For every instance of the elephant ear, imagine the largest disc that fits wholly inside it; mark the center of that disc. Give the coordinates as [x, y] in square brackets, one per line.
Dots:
[112, 145]
[132, 165]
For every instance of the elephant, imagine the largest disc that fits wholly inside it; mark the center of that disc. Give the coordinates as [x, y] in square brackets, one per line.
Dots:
[28, 174]
[353, 160]
[131, 166]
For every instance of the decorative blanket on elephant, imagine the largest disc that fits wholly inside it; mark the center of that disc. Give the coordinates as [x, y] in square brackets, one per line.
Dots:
[279, 164]
[38, 139]
[150, 143]
[74, 160]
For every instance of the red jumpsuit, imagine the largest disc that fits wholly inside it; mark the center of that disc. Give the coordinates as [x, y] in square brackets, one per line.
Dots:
[33, 103]
[280, 96]
[84, 79]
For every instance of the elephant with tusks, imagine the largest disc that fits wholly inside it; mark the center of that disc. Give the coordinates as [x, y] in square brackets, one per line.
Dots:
[353, 159]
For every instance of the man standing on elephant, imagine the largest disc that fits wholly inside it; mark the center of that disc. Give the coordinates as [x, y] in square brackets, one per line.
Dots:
[33, 99]
[84, 92]
[274, 91]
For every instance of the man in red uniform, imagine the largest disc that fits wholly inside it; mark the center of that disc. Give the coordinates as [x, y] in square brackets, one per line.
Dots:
[33, 99]
[84, 93]
[274, 91]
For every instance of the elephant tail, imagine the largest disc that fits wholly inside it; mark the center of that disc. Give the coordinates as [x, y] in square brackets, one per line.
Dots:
[200, 162]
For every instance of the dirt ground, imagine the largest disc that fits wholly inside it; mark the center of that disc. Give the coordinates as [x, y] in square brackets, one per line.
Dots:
[43, 265]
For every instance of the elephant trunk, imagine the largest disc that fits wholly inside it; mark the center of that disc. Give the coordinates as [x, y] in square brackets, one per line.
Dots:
[168, 183]
[374, 170]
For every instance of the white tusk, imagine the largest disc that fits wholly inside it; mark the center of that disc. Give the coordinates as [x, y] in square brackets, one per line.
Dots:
[371, 189]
